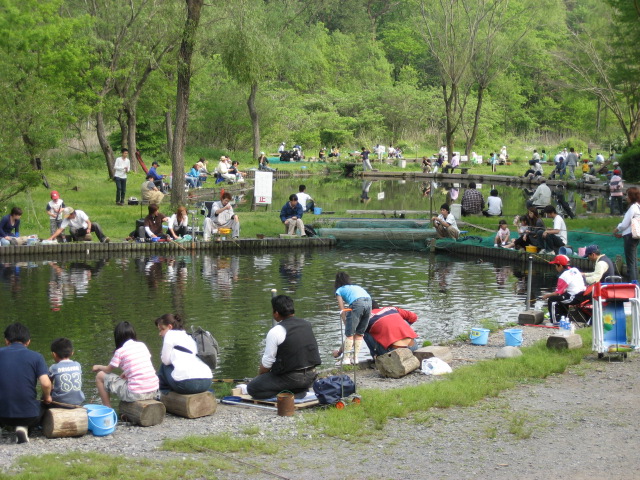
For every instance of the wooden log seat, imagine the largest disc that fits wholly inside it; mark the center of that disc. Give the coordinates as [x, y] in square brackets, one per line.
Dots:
[63, 422]
[144, 413]
[190, 406]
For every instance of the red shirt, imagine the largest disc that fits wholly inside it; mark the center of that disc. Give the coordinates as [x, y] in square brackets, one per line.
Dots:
[390, 324]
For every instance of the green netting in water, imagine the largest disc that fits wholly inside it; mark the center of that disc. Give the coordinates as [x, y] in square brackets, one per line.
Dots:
[609, 245]
[376, 223]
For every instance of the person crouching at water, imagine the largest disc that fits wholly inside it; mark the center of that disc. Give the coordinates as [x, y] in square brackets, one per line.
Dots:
[569, 290]
[389, 328]
[445, 223]
[356, 317]
[181, 370]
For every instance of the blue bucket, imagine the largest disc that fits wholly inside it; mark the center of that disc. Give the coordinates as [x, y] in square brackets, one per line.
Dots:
[513, 337]
[93, 407]
[479, 336]
[568, 251]
[317, 210]
[102, 421]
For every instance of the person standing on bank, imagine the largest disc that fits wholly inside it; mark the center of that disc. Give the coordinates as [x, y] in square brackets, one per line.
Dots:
[290, 356]
[623, 230]
[120, 169]
[54, 210]
[364, 156]
[181, 370]
[355, 315]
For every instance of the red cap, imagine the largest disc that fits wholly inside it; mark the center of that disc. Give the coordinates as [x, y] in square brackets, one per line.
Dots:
[560, 260]
[55, 195]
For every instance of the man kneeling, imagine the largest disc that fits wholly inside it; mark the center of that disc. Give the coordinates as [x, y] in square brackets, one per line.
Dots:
[290, 355]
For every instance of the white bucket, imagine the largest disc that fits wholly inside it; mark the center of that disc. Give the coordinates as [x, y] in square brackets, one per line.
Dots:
[456, 210]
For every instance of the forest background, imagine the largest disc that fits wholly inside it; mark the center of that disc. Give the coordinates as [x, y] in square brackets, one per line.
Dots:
[244, 75]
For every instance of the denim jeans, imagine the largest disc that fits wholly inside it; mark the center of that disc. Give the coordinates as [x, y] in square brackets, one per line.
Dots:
[630, 256]
[183, 387]
[121, 189]
[358, 318]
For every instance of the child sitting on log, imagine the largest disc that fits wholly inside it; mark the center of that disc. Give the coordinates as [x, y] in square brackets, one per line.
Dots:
[138, 380]
[65, 374]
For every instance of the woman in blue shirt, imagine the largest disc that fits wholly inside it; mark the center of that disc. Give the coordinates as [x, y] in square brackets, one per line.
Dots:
[357, 315]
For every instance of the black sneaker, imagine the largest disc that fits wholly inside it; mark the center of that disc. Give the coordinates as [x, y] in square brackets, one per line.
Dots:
[22, 435]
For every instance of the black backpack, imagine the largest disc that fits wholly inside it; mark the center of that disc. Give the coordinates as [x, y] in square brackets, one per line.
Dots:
[330, 389]
[310, 231]
[207, 347]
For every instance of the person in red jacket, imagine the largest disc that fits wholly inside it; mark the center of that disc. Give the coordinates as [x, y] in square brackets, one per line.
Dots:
[390, 328]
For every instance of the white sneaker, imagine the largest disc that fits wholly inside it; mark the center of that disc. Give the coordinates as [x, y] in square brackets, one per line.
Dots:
[22, 435]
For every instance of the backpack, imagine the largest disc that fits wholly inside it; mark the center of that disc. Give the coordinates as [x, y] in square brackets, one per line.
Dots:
[207, 347]
[310, 231]
[330, 389]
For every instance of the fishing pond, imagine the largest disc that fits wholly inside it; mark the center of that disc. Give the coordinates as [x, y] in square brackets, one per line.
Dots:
[84, 298]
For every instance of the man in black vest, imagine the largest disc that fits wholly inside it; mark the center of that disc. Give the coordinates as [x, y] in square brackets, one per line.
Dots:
[290, 355]
[604, 266]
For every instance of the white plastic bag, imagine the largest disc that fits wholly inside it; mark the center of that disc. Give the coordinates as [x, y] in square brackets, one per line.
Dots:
[435, 366]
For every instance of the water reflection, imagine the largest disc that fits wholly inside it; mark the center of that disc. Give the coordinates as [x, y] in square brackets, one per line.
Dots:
[70, 280]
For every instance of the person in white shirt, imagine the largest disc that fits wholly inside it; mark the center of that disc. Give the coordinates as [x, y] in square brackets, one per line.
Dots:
[599, 159]
[445, 223]
[222, 216]
[120, 169]
[181, 370]
[223, 169]
[178, 223]
[554, 237]
[569, 290]
[79, 226]
[494, 203]
[381, 151]
[541, 197]
[281, 147]
[304, 199]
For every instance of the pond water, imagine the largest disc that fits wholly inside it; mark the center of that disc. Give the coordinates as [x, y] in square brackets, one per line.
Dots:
[229, 295]
[332, 193]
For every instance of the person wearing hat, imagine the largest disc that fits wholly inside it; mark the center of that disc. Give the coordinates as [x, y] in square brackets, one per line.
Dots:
[603, 265]
[615, 190]
[54, 210]
[281, 148]
[157, 178]
[569, 289]
[149, 192]
[79, 226]
[263, 163]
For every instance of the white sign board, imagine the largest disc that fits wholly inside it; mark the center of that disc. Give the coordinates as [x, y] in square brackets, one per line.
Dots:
[263, 189]
[381, 196]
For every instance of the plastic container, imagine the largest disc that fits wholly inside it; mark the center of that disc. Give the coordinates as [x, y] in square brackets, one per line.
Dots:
[531, 249]
[317, 211]
[102, 421]
[582, 251]
[568, 251]
[479, 336]
[456, 210]
[286, 404]
[513, 337]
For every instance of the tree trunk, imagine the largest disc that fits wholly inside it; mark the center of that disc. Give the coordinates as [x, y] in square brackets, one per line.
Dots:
[168, 123]
[104, 143]
[450, 124]
[476, 122]
[124, 135]
[598, 113]
[130, 110]
[255, 122]
[182, 99]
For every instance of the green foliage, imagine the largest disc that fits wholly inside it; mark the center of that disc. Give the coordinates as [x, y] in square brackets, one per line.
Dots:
[578, 144]
[336, 138]
[630, 162]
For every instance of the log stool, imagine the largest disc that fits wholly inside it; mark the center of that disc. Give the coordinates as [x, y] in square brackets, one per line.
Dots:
[190, 406]
[144, 413]
[62, 422]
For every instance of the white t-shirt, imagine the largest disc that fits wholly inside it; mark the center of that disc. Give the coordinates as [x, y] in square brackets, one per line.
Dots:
[121, 167]
[173, 221]
[303, 198]
[573, 279]
[80, 221]
[495, 205]
[558, 224]
[451, 220]
[185, 365]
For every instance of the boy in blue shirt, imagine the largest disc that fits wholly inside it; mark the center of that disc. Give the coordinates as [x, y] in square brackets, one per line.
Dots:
[65, 374]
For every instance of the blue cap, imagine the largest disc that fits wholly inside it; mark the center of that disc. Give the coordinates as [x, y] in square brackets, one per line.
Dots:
[590, 249]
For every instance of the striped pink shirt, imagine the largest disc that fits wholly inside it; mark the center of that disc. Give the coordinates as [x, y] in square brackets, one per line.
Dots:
[134, 359]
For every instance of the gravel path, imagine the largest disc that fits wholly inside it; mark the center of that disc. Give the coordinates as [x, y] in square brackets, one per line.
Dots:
[577, 425]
